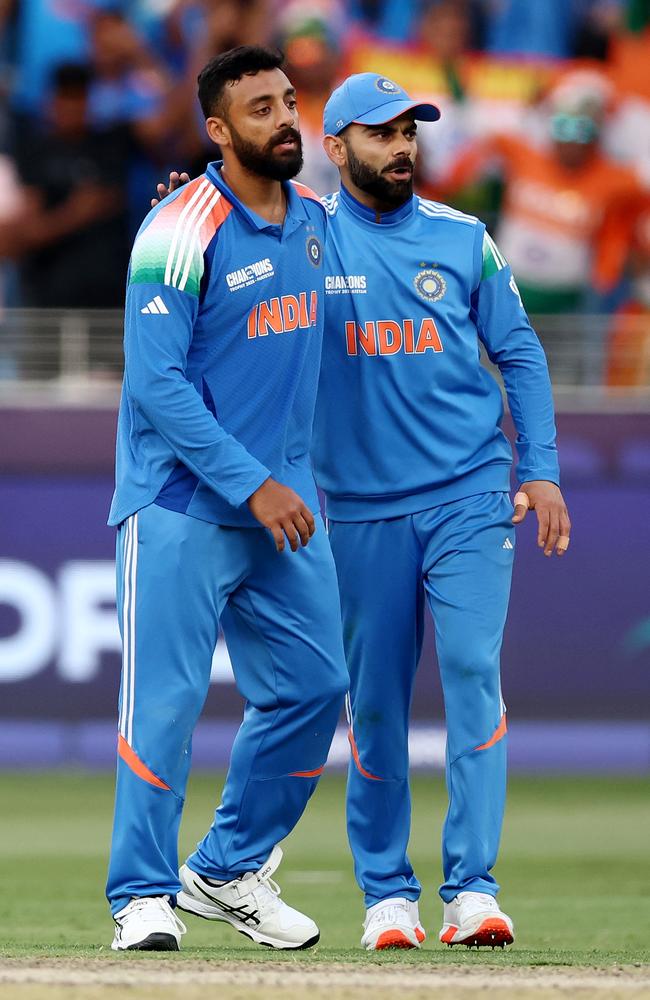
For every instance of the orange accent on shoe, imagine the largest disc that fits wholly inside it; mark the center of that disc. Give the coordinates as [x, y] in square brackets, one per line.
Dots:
[130, 757]
[447, 937]
[420, 935]
[498, 734]
[355, 754]
[308, 774]
[492, 931]
[393, 939]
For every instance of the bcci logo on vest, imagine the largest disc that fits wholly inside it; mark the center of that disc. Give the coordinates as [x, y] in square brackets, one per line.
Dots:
[430, 285]
[314, 251]
[387, 86]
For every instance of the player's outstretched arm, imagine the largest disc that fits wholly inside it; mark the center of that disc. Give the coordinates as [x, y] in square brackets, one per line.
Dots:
[553, 524]
[283, 512]
[176, 180]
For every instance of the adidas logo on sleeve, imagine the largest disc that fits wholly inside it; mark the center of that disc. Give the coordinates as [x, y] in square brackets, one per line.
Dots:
[156, 306]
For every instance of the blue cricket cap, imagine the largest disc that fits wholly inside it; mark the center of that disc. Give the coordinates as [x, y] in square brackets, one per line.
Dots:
[370, 99]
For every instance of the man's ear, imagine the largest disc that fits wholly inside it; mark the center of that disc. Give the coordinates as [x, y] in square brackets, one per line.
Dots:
[218, 131]
[336, 150]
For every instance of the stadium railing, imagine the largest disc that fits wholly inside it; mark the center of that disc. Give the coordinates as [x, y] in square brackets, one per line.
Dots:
[72, 357]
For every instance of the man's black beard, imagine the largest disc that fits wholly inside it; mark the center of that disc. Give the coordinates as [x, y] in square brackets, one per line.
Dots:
[263, 161]
[392, 194]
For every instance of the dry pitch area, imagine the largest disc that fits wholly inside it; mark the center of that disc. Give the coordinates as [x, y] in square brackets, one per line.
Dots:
[66, 979]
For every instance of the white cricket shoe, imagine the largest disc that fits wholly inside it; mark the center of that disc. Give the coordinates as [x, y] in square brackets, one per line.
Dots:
[392, 923]
[251, 904]
[420, 932]
[147, 923]
[474, 919]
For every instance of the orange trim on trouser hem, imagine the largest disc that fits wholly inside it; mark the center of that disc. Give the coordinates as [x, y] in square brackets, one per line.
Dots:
[355, 753]
[498, 734]
[308, 774]
[131, 758]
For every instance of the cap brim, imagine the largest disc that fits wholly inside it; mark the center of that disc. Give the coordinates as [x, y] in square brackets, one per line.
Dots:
[421, 112]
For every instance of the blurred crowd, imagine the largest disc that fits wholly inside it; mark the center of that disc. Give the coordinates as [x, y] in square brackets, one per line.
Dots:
[545, 134]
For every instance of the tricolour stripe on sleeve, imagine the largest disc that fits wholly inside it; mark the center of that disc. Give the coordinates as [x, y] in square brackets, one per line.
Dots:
[493, 259]
[169, 250]
[184, 220]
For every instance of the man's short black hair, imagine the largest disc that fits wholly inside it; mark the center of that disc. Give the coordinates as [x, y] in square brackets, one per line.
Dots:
[229, 67]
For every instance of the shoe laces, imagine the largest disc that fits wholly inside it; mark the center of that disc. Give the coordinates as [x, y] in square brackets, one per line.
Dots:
[265, 892]
[150, 908]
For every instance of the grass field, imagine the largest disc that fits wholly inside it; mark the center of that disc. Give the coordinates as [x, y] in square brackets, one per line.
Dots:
[574, 868]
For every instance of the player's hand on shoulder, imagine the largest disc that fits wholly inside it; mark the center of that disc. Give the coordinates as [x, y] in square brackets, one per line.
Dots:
[283, 512]
[553, 524]
[176, 180]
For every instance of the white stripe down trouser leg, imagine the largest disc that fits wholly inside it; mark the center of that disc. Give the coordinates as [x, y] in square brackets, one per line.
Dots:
[130, 566]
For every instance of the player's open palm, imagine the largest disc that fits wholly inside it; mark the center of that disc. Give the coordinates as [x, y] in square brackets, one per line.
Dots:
[553, 524]
[284, 513]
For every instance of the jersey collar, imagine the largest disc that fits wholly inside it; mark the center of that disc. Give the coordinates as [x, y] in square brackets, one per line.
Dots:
[377, 218]
[296, 211]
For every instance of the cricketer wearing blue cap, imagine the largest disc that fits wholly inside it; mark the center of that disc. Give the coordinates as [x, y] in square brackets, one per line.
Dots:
[416, 470]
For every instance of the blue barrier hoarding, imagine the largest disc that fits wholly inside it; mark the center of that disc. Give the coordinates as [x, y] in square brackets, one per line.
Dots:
[577, 643]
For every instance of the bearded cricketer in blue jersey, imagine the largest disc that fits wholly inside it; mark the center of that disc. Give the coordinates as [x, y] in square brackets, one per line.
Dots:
[409, 451]
[223, 333]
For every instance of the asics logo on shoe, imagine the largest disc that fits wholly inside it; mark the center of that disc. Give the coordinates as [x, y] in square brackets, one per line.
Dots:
[246, 916]
[155, 307]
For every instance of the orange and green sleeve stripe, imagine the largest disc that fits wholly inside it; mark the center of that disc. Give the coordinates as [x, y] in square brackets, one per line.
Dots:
[169, 250]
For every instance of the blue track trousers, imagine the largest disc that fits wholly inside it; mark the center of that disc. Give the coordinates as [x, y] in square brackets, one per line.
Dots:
[460, 556]
[178, 577]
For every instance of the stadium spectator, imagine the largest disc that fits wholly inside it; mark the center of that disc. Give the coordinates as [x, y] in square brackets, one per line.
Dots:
[11, 207]
[71, 236]
[628, 361]
[628, 135]
[312, 62]
[445, 32]
[128, 84]
[196, 31]
[394, 19]
[568, 209]
[556, 28]
[133, 91]
[227, 23]
[46, 35]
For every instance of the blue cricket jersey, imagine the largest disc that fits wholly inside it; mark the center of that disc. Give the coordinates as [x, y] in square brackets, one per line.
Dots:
[222, 344]
[407, 417]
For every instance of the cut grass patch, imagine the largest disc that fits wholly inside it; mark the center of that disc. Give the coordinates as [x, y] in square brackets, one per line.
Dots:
[572, 866]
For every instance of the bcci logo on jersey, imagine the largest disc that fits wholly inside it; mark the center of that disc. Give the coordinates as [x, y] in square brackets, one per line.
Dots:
[314, 251]
[430, 285]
